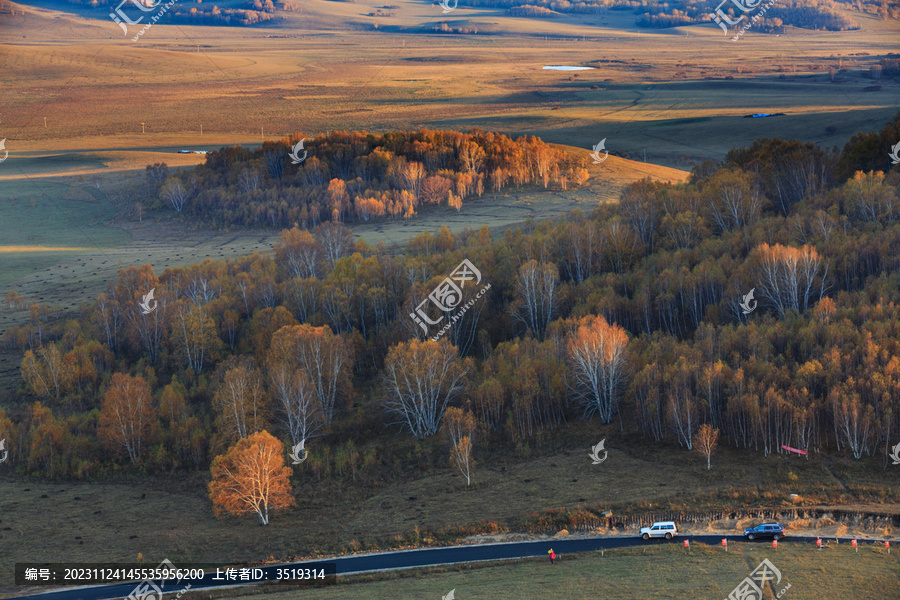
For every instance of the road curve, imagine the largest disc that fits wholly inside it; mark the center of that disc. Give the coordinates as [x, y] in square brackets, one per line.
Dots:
[425, 557]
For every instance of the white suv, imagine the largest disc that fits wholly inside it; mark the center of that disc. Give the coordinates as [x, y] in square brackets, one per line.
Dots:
[664, 529]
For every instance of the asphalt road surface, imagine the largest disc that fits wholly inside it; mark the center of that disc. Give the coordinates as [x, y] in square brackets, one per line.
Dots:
[406, 559]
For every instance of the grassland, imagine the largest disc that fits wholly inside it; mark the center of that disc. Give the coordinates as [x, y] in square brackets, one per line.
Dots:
[318, 72]
[670, 97]
[637, 574]
[171, 516]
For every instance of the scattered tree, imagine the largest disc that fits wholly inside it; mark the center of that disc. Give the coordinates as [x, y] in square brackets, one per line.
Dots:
[251, 478]
[706, 441]
[460, 426]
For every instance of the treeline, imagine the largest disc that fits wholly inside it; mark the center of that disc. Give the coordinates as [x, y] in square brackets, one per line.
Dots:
[257, 11]
[444, 27]
[639, 314]
[357, 177]
[807, 14]
[886, 9]
[228, 16]
[527, 10]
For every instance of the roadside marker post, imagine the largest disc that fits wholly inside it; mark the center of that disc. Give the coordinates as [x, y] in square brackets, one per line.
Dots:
[725, 543]
[775, 545]
[819, 543]
[855, 546]
[887, 545]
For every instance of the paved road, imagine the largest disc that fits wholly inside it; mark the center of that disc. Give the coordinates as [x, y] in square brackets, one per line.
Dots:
[405, 559]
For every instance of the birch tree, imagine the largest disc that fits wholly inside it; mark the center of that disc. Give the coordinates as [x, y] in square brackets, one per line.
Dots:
[536, 296]
[459, 426]
[597, 353]
[733, 200]
[251, 478]
[299, 253]
[109, 316]
[173, 192]
[194, 334]
[336, 241]
[126, 414]
[706, 441]
[854, 421]
[240, 401]
[44, 371]
[421, 378]
[790, 277]
[323, 357]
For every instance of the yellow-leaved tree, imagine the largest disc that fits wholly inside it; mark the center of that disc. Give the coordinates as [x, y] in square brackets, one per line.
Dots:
[706, 441]
[251, 478]
[460, 426]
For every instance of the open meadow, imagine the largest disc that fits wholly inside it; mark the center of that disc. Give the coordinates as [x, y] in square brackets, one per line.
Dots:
[661, 572]
[541, 486]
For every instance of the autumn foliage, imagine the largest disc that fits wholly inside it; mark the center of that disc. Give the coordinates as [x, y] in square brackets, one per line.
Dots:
[706, 441]
[358, 177]
[251, 478]
[597, 355]
[459, 427]
[127, 415]
[630, 314]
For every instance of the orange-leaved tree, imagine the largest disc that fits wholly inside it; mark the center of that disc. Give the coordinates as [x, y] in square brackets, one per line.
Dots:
[126, 416]
[251, 477]
[597, 359]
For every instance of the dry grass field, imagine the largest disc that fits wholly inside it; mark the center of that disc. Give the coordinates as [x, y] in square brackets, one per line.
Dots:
[662, 94]
[169, 517]
[661, 91]
[660, 572]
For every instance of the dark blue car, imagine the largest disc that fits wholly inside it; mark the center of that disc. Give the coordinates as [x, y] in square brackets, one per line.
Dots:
[772, 530]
